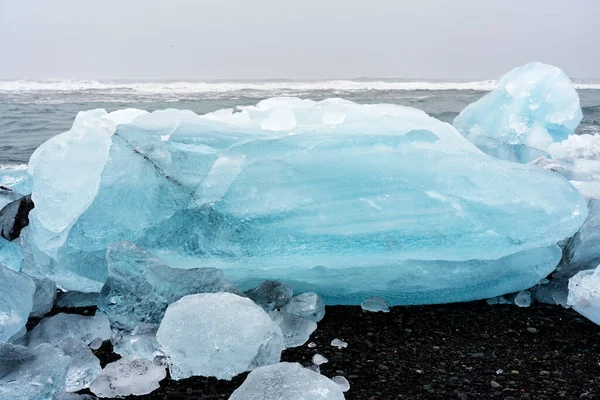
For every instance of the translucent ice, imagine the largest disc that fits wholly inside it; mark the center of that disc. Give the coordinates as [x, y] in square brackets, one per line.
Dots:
[43, 299]
[318, 359]
[140, 286]
[32, 372]
[341, 382]
[139, 343]
[340, 344]
[16, 302]
[84, 366]
[309, 306]
[523, 298]
[10, 254]
[375, 304]
[271, 295]
[15, 178]
[584, 294]
[53, 329]
[219, 335]
[296, 330]
[303, 192]
[287, 381]
[128, 376]
[533, 106]
[75, 299]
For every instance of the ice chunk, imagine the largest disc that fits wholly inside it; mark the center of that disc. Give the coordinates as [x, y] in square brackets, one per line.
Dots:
[375, 304]
[75, 299]
[7, 196]
[128, 376]
[296, 330]
[31, 372]
[533, 106]
[43, 299]
[139, 343]
[340, 344]
[271, 295]
[53, 329]
[349, 210]
[287, 381]
[10, 255]
[16, 302]
[523, 298]
[140, 286]
[584, 294]
[309, 306]
[84, 366]
[341, 382]
[318, 359]
[219, 335]
[15, 178]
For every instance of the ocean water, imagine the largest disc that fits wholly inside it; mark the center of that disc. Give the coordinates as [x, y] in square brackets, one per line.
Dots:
[31, 112]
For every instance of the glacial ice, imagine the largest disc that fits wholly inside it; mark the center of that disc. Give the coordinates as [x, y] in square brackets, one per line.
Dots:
[523, 298]
[287, 381]
[343, 199]
[308, 305]
[296, 330]
[31, 372]
[318, 359]
[10, 255]
[584, 294]
[217, 334]
[128, 376]
[140, 286]
[139, 343]
[270, 295]
[340, 344]
[16, 302]
[43, 298]
[342, 382]
[75, 299]
[53, 329]
[16, 179]
[533, 106]
[84, 366]
[375, 304]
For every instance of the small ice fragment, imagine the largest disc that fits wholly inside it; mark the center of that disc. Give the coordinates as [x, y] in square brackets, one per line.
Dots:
[43, 299]
[523, 298]
[312, 344]
[307, 305]
[296, 330]
[287, 381]
[96, 343]
[84, 366]
[340, 344]
[375, 304]
[318, 359]
[271, 295]
[141, 342]
[128, 376]
[500, 371]
[341, 382]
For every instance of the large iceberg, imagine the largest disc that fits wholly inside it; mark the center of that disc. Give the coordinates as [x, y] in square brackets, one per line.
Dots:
[343, 199]
[533, 106]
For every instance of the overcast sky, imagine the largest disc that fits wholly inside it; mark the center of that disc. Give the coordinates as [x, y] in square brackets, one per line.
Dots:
[302, 39]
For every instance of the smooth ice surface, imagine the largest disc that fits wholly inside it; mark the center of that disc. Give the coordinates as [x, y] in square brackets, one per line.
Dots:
[584, 294]
[298, 191]
[84, 366]
[43, 299]
[53, 329]
[287, 381]
[296, 330]
[271, 295]
[341, 382]
[139, 343]
[375, 304]
[10, 255]
[533, 106]
[219, 335]
[16, 301]
[128, 376]
[140, 286]
[309, 306]
[31, 372]
[318, 359]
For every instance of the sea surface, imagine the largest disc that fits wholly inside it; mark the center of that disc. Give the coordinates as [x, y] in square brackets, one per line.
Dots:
[31, 112]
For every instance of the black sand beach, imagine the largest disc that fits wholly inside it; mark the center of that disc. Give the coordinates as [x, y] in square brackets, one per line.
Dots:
[457, 351]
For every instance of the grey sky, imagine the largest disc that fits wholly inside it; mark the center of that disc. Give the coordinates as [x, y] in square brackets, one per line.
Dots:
[202, 39]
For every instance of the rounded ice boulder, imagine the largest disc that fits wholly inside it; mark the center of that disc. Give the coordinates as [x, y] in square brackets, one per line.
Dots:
[287, 381]
[217, 334]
